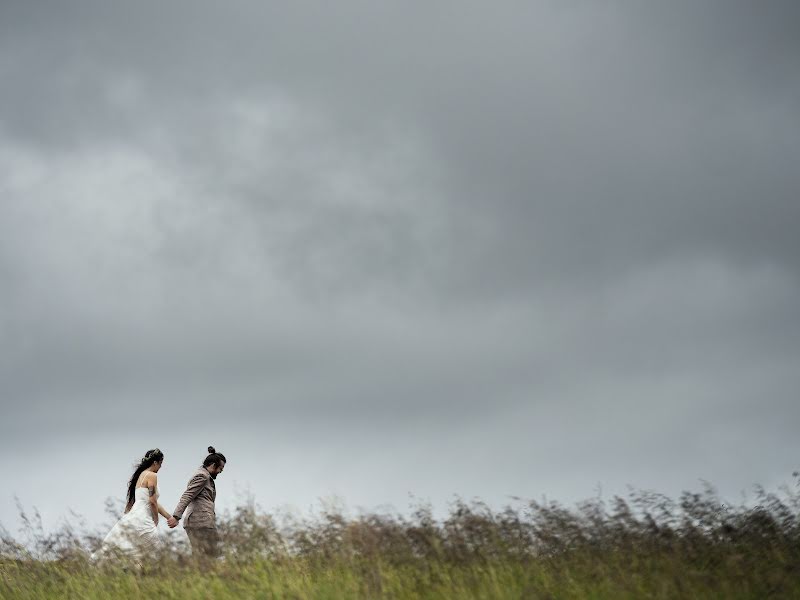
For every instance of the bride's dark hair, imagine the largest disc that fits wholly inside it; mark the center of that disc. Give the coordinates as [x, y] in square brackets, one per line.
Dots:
[150, 457]
[213, 458]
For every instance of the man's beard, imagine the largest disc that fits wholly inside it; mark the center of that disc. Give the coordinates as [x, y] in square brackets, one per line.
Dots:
[213, 475]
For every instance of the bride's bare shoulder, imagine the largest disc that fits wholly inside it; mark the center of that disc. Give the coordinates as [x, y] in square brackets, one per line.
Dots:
[146, 478]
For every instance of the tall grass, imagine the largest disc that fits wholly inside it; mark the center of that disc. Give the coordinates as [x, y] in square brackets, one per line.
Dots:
[645, 545]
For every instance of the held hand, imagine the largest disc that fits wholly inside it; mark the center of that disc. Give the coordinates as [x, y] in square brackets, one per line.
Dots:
[172, 522]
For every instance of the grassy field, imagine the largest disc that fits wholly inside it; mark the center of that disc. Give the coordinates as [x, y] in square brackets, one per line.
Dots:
[643, 546]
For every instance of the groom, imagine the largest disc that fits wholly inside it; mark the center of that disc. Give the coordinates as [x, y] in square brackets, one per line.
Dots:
[199, 497]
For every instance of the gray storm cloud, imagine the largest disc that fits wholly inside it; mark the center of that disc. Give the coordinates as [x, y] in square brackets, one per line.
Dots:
[379, 249]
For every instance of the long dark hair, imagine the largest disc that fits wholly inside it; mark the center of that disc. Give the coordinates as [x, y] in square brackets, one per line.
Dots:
[150, 457]
[214, 457]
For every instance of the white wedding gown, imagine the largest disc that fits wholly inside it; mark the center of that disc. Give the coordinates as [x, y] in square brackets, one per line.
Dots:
[135, 532]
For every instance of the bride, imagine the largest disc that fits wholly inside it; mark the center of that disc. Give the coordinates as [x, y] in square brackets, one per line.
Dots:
[136, 531]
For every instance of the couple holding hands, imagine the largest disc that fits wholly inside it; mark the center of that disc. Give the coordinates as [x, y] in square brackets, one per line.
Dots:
[137, 531]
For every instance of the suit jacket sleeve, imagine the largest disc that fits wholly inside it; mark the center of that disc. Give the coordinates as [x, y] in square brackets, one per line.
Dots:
[196, 484]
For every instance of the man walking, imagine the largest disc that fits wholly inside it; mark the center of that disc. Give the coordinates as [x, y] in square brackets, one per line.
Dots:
[198, 504]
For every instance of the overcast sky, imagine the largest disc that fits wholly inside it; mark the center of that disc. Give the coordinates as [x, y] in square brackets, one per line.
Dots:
[373, 249]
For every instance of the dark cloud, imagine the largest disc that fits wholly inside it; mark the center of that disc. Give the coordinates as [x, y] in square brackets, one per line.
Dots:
[516, 250]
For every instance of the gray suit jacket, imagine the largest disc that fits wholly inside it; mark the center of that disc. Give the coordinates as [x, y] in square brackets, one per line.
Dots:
[198, 501]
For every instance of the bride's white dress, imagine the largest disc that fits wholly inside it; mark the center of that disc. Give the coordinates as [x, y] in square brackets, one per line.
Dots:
[135, 532]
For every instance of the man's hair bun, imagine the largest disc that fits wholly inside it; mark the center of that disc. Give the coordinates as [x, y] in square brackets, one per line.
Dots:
[214, 457]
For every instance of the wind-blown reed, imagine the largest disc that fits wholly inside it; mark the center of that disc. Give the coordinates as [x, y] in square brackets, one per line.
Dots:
[644, 546]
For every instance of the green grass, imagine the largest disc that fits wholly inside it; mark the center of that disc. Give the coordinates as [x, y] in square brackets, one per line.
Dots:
[616, 577]
[647, 546]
